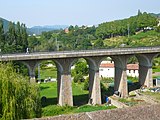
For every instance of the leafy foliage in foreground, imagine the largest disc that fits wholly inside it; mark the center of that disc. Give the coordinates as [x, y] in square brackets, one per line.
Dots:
[18, 98]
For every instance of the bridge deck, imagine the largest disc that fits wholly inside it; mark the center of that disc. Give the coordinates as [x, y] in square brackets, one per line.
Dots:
[81, 53]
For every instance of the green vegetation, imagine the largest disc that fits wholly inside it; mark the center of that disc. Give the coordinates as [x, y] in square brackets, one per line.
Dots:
[80, 98]
[48, 72]
[20, 102]
[139, 30]
[155, 95]
[130, 101]
[156, 64]
[107, 80]
[18, 98]
[132, 79]
[149, 38]
[53, 110]
[15, 39]
[89, 108]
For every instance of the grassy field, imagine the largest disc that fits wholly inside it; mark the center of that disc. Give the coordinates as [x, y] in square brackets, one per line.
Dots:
[80, 98]
[48, 72]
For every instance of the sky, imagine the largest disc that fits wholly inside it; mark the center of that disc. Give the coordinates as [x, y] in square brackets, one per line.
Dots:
[73, 12]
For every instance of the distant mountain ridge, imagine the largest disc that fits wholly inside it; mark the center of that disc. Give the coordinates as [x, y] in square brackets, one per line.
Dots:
[36, 29]
[39, 29]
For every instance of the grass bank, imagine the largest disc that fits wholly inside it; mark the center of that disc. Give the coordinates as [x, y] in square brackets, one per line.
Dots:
[80, 99]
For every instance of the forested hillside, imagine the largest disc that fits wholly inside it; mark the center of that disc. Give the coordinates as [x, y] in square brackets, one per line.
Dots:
[138, 30]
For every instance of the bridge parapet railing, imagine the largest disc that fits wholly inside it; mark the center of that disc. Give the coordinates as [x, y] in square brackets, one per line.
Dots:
[95, 51]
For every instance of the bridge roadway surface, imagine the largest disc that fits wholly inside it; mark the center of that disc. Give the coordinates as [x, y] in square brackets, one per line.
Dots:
[80, 53]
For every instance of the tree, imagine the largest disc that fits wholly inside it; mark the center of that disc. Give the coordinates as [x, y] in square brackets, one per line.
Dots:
[24, 36]
[33, 42]
[81, 68]
[15, 38]
[18, 37]
[2, 37]
[78, 78]
[99, 44]
[18, 98]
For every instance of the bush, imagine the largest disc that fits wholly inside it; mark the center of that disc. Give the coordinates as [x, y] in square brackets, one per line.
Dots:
[53, 110]
[78, 78]
[86, 84]
[107, 80]
[18, 98]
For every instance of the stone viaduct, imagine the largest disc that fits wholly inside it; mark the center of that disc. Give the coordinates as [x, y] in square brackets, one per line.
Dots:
[65, 59]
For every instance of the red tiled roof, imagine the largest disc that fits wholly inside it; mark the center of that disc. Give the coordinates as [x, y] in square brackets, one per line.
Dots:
[111, 65]
[132, 66]
[107, 65]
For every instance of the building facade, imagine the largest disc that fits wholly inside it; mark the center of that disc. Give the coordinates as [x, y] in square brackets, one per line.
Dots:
[107, 69]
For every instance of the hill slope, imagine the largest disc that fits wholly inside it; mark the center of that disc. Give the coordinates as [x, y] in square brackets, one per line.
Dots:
[156, 15]
[5, 24]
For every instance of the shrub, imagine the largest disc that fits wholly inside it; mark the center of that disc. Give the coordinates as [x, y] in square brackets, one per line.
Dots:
[53, 110]
[78, 78]
[86, 84]
[18, 98]
[107, 80]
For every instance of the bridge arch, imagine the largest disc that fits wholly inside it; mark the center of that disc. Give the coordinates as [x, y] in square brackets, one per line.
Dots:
[145, 69]
[31, 65]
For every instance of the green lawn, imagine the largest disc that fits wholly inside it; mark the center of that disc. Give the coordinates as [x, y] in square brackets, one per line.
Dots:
[53, 110]
[80, 99]
[156, 69]
[50, 89]
[48, 72]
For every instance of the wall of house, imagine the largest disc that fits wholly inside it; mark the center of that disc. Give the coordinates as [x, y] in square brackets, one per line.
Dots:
[132, 73]
[106, 72]
[109, 72]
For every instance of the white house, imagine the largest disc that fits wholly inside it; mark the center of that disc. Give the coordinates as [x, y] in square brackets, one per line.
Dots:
[107, 69]
[133, 70]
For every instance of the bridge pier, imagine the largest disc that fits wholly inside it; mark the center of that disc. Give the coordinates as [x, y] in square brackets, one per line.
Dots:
[120, 82]
[64, 82]
[94, 80]
[145, 69]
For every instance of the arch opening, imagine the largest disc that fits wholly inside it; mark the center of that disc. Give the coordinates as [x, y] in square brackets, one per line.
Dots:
[133, 73]
[46, 76]
[156, 70]
[107, 74]
[80, 81]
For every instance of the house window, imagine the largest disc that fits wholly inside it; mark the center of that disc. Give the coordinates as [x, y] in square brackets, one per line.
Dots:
[100, 69]
[134, 71]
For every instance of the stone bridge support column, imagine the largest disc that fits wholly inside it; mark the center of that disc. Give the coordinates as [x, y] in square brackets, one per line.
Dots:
[120, 82]
[145, 69]
[31, 65]
[94, 80]
[64, 82]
